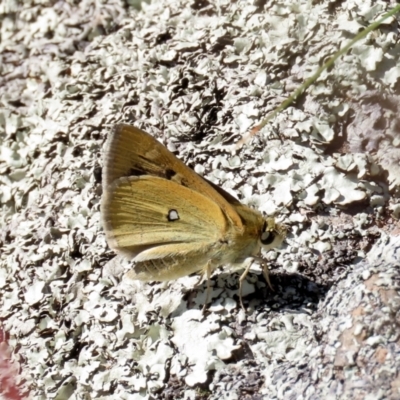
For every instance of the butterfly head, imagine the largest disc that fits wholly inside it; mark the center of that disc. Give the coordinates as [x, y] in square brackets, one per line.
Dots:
[272, 234]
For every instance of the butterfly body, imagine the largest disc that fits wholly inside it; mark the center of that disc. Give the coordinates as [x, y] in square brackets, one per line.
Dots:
[170, 221]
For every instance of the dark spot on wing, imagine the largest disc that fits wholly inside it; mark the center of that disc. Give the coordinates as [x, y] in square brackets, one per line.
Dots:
[135, 172]
[169, 173]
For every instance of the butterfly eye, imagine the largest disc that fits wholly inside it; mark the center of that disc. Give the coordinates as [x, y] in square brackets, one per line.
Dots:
[173, 215]
[267, 237]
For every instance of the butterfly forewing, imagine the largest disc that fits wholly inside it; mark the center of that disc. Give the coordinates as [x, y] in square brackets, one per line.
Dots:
[142, 212]
[133, 152]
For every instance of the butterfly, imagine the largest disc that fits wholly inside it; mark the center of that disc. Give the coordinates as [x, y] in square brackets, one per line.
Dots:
[170, 221]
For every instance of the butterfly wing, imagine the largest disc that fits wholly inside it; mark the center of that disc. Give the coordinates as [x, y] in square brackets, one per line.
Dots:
[142, 212]
[133, 152]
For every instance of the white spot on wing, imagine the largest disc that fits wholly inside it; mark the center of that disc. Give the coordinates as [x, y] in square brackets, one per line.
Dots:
[173, 215]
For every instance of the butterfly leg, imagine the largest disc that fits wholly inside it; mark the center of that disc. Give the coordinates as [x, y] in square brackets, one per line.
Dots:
[266, 275]
[207, 273]
[201, 278]
[247, 264]
[265, 271]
